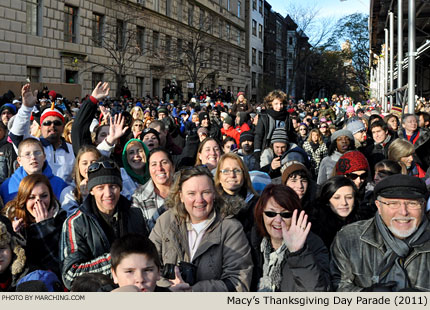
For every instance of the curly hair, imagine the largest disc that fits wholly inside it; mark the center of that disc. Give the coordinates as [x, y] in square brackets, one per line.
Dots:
[173, 201]
[274, 94]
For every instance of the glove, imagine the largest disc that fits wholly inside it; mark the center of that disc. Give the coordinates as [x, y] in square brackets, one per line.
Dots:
[381, 287]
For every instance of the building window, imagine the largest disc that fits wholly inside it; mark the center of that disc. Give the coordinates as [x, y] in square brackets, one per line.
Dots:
[220, 57]
[190, 15]
[260, 31]
[254, 5]
[228, 5]
[239, 62]
[70, 23]
[221, 28]
[33, 73]
[140, 86]
[157, 5]
[140, 38]
[228, 63]
[260, 6]
[260, 58]
[211, 56]
[211, 24]
[254, 78]
[238, 37]
[96, 77]
[180, 8]
[120, 34]
[155, 42]
[71, 77]
[290, 55]
[290, 40]
[227, 28]
[220, 6]
[168, 45]
[254, 56]
[201, 18]
[238, 8]
[168, 8]
[254, 27]
[97, 29]
[34, 20]
[179, 47]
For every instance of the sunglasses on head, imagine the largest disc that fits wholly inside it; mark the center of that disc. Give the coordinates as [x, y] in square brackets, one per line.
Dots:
[49, 123]
[284, 215]
[97, 166]
[354, 176]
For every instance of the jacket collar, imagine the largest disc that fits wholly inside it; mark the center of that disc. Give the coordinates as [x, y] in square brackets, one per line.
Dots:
[63, 144]
[372, 236]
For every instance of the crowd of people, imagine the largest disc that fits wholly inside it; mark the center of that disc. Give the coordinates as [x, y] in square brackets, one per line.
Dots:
[212, 195]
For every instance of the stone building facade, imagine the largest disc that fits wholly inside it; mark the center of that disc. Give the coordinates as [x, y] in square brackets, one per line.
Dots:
[68, 43]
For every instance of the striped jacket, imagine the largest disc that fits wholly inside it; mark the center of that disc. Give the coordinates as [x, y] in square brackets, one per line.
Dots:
[85, 246]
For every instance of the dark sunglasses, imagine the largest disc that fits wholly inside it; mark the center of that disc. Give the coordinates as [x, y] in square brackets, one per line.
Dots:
[284, 215]
[49, 123]
[97, 166]
[353, 176]
[384, 173]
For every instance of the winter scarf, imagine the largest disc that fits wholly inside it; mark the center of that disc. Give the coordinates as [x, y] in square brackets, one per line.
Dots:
[272, 267]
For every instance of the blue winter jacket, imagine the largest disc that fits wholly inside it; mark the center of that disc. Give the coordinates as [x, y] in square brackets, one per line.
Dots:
[9, 188]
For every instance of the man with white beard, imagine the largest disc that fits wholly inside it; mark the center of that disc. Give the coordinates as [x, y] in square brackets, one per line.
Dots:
[391, 251]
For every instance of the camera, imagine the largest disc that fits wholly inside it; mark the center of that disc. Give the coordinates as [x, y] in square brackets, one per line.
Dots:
[188, 272]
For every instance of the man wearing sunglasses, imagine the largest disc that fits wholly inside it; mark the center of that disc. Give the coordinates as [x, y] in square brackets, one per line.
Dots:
[104, 216]
[59, 153]
[390, 251]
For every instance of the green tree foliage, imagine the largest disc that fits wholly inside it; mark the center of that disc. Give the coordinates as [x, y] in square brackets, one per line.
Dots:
[353, 30]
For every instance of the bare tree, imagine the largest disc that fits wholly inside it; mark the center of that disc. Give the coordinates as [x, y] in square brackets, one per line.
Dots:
[122, 43]
[311, 35]
[193, 54]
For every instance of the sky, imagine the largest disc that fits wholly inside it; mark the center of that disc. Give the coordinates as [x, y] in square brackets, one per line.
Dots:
[328, 8]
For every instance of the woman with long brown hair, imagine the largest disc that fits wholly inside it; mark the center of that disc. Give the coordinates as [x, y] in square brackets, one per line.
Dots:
[36, 215]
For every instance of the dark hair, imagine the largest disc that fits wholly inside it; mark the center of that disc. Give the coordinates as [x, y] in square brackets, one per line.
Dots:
[330, 187]
[283, 196]
[202, 144]
[133, 244]
[160, 149]
[390, 116]
[227, 139]
[301, 173]
[333, 147]
[91, 282]
[379, 123]
[426, 116]
[390, 165]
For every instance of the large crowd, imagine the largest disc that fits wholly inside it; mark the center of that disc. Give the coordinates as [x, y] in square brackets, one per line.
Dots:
[212, 194]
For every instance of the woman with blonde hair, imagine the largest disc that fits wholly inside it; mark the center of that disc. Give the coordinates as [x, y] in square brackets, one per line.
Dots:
[67, 133]
[198, 232]
[36, 215]
[233, 183]
[137, 113]
[403, 151]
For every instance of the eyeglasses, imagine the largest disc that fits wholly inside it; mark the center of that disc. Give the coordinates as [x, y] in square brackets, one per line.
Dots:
[354, 176]
[284, 215]
[228, 171]
[413, 205]
[49, 123]
[105, 164]
[383, 173]
[29, 154]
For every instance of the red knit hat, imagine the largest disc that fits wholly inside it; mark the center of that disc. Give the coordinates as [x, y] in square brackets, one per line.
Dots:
[350, 162]
[51, 112]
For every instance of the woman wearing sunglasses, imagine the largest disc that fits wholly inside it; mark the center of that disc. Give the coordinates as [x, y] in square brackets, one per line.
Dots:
[336, 206]
[355, 167]
[288, 257]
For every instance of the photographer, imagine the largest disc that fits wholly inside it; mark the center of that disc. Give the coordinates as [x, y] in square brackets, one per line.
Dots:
[198, 231]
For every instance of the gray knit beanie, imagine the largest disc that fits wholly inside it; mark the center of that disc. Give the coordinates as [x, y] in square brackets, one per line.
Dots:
[340, 133]
[279, 135]
[355, 126]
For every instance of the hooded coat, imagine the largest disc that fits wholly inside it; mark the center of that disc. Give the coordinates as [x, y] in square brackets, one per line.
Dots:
[141, 179]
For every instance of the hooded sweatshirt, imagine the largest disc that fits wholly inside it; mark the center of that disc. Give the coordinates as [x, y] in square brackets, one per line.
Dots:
[137, 178]
[9, 188]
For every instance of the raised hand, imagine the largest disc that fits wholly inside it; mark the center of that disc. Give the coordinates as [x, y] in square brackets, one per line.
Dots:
[29, 98]
[101, 91]
[116, 129]
[295, 236]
